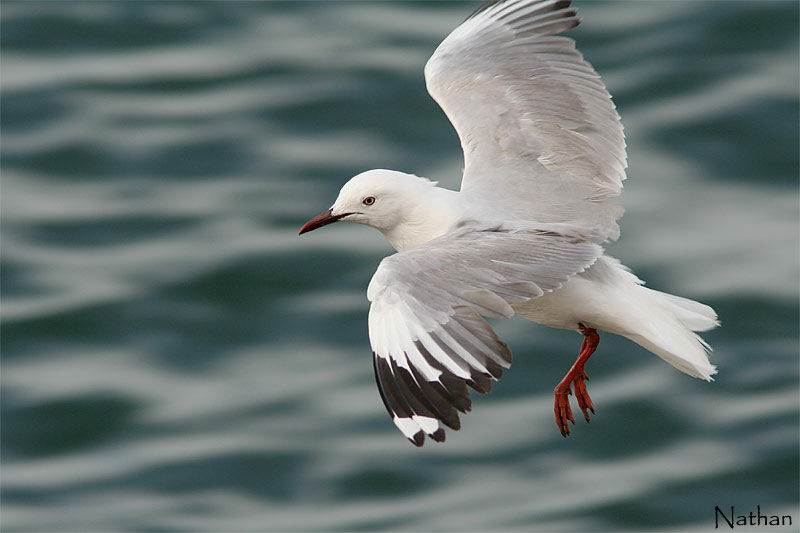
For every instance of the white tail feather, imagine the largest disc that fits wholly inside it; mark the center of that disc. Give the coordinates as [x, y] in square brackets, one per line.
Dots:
[609, 297]
[693, 315]
[669, 329]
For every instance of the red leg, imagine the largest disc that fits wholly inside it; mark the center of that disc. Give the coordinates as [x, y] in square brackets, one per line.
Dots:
[577, 377]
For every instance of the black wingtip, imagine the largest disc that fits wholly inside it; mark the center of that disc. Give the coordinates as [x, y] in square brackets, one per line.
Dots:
[480, 382]
[418, 440]
[534, 9]
[556, 6]
[483, 7]
[438, 435]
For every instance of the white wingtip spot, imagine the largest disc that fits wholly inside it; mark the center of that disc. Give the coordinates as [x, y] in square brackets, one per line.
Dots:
[407, 425]
[428, 425]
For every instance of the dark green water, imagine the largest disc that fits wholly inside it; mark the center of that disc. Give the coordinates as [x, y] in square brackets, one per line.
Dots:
[175, 358]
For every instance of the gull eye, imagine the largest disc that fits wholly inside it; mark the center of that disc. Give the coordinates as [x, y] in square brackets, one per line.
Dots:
[369, 200]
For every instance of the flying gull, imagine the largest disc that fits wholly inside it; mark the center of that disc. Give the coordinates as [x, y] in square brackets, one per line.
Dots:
[544, 161]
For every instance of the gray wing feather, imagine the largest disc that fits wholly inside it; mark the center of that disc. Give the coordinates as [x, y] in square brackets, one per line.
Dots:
[428, 338]
[540, 134]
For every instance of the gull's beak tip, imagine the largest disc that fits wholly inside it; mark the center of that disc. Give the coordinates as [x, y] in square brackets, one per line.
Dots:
[323, 219]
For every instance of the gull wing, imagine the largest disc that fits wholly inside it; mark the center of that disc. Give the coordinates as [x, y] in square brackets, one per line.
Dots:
[425, 327]
[540, 134]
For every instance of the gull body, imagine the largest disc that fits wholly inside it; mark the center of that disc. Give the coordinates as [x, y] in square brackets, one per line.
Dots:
[411, 211]
[544, 160]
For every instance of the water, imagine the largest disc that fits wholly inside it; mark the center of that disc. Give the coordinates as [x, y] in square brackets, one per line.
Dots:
[175, 358]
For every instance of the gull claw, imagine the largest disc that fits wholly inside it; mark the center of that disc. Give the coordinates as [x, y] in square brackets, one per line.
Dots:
[563, 412]
[582, 395]
[562, 409]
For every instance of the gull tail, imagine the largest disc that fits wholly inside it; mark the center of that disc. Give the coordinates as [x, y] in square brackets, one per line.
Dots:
[667, 328]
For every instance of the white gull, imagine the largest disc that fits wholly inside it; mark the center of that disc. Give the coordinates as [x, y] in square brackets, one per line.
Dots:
[544, 160]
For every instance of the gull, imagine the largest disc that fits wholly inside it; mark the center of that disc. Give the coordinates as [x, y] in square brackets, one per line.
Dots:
[544, 161]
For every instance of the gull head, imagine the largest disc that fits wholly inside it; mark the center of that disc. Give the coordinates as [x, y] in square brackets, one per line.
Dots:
[393, 202]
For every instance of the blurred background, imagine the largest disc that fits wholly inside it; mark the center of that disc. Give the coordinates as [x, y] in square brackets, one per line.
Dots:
[175, 358]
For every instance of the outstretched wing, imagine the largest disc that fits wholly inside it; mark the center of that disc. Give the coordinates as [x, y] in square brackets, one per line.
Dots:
[425, 327]
[539, 131]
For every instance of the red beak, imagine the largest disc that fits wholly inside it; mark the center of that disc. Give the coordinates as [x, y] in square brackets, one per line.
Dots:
[323, 219]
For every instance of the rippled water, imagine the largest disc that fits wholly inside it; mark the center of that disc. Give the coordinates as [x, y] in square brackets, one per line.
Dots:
[174, 357]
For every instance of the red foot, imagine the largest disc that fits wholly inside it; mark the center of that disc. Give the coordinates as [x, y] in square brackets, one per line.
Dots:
[563, 412]
[577, 378]
[582, 395]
